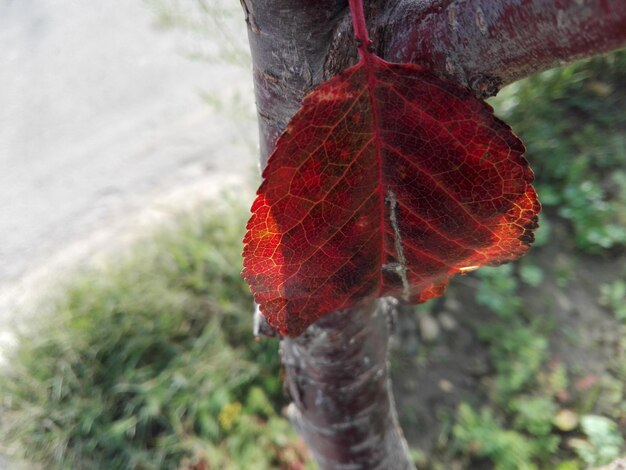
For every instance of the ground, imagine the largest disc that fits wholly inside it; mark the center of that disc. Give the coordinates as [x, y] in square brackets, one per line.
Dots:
[440, 359]
[103, 129]
[103, 132]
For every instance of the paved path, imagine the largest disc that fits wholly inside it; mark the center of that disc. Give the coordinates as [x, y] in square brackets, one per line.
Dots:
[100, 115]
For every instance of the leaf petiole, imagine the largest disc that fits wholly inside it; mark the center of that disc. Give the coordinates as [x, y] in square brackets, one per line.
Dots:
[361, 35]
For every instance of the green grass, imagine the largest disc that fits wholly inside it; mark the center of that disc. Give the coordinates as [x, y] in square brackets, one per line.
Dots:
[150, 363]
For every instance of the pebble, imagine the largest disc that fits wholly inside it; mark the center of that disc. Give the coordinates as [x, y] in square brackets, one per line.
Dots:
[565, 420]
[429, 328]
[445, 386]
[452, 305]
[448, 322]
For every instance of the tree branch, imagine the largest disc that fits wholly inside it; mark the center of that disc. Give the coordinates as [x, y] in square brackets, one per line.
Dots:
[342, 401]
[483, 44]
[488, 44]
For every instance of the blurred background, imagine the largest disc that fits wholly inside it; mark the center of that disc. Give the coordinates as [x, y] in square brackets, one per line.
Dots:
[102, 117]
[127, 162]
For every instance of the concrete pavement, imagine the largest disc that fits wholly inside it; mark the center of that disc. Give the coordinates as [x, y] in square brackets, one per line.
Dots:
[101, 120]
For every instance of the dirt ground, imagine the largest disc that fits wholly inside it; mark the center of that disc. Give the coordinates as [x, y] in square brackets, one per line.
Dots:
[440, 361]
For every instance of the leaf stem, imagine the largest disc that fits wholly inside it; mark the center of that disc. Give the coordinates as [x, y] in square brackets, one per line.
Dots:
[360, 27]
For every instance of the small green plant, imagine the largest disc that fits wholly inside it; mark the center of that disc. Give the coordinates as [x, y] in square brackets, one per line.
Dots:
[613, 296]
[518, 352]
[481, 435]
[534, 414]
[214, 24]
[498, 291]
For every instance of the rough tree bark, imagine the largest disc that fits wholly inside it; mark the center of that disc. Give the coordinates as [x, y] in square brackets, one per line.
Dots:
[337, 371]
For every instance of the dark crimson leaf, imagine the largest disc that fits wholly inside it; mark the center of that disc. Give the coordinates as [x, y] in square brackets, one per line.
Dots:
[387, 182]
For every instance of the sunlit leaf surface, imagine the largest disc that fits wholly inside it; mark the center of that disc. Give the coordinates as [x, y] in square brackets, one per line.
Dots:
[387, 182]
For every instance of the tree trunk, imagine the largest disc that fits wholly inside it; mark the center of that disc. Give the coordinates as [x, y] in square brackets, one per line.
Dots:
[342, 401]
[337, 371]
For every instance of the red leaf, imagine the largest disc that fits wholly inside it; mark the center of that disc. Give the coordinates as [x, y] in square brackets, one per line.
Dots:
[387, 182]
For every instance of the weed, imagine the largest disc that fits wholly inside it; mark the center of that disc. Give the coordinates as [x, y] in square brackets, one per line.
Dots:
[481, 435]
[612, 296]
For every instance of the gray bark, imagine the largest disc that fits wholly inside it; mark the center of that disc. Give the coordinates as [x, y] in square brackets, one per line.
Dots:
[342, 401]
